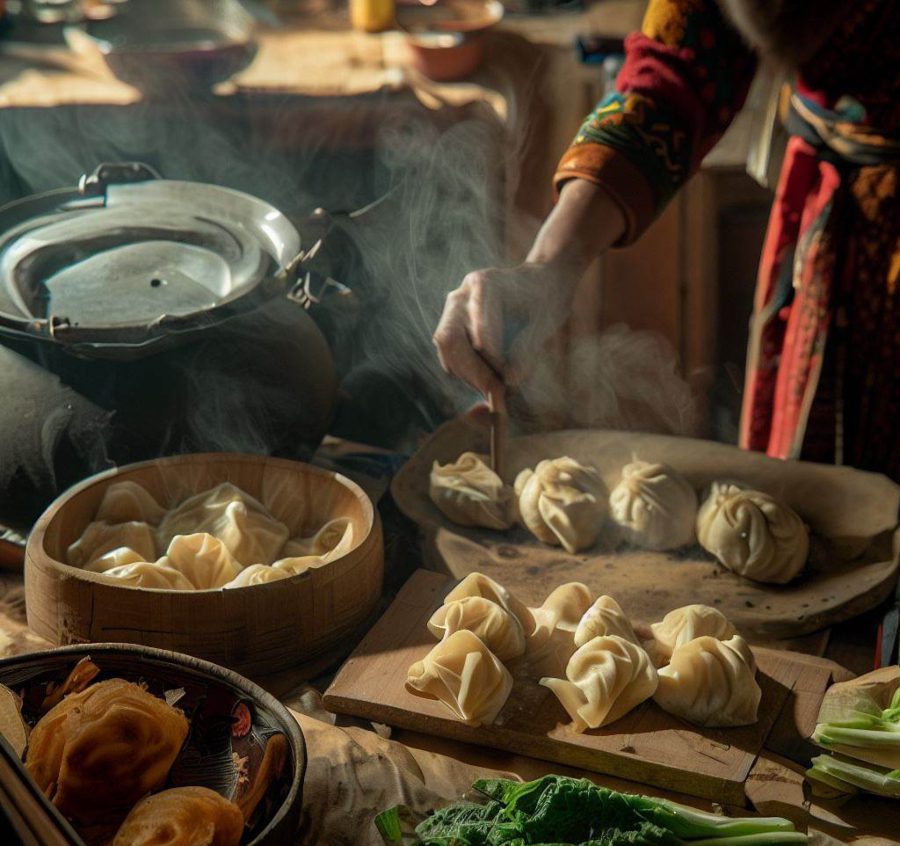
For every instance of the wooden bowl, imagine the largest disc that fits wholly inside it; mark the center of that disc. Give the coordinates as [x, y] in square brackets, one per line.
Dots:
[445, 56]
[302, 621]
[211, 695]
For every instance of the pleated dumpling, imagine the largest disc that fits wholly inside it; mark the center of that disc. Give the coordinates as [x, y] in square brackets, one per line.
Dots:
[182, 816]
[499, 630]
[753, 534]
[203, 560]
[146, 574]
[688, 623]
[331, 541]
[114, 558]
[605, 679]
[711, 682]
[129, 502]
[469, 493]
[465, 675]
[251, 534]
[562, 503]
[257, 574]
[654, 506]
[605, 617]
[551, 644]
[300, 564]
[477, 584]
[100, 538]
[99, 751]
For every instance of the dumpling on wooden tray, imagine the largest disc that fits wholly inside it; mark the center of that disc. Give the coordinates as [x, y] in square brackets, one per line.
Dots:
[562, 503]
[497, 628]
[469, 493]
[654, 506]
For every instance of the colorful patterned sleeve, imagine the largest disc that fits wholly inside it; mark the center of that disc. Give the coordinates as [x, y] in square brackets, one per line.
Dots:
[685, 76]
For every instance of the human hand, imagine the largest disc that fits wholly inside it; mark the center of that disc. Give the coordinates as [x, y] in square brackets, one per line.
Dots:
[497, 314]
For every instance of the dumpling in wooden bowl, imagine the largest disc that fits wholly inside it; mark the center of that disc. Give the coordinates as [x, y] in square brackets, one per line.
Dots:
[653, 506]
[562, 503]
[753, 534]
[469, 493]
[96, 753]
[182, 816]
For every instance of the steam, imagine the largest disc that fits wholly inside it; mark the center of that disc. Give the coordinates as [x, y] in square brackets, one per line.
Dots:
[261, 384]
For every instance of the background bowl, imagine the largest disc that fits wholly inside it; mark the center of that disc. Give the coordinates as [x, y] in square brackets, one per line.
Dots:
[211, 696]
[445, 56]
[465, 16]
[302, 622]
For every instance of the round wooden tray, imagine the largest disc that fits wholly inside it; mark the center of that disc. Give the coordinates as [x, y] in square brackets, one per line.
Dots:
[845, 509]
[257, 630]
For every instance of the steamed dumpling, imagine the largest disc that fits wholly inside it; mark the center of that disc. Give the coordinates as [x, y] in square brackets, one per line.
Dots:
[296, 566]
[499, 630]
[711, 683]
[129, 502]
[688, 623]
[605, 617]
[114, 558]
[100, 538]
[249, 532]
[182, 816]
[562, 503]
[257, 574]
[465, 675]
[655, 507]
[753, 534]
[98, 752]
[477, 584]
[203, 559]
[469, 493]
[605, 679]
[146, 574]
[333, 540]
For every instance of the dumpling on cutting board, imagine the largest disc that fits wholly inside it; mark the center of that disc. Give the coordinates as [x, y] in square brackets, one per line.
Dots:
[562, 503]
[500, 631]
[604, 617]
[605, 679]
[551, 644]
[688, 623]
[477, 584]
[753, 534]
[465, 675]
[711, 682]
[654, 506]
[469, 493]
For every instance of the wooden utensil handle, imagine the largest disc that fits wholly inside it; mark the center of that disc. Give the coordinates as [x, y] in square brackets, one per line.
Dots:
[499, 431]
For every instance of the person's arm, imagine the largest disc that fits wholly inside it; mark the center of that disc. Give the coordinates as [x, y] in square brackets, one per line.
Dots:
[685, 76]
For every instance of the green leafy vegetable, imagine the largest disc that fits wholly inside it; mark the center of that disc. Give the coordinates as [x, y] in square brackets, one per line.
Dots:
[558, 811]
[849, 776]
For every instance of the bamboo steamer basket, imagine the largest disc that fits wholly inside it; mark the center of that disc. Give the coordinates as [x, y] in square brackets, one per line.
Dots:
[300, 622]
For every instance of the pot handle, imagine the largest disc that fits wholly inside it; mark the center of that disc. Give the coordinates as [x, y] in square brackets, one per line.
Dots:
[114, 173]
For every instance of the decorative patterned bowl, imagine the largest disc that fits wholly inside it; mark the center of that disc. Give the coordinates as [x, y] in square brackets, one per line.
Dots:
[238, 732]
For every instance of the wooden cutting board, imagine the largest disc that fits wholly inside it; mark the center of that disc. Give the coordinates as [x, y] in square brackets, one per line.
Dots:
[844, 508]
[647, 746]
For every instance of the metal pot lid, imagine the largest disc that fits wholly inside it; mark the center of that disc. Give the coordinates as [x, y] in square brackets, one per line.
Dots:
[128, 258]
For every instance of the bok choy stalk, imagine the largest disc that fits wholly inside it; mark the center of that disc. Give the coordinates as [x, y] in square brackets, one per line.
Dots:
[554, 811]
[859, 721]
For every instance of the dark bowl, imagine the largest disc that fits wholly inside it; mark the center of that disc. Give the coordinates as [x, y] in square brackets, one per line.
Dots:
[211, 695]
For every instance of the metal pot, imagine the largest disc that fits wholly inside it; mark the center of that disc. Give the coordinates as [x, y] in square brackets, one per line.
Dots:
[141, 316]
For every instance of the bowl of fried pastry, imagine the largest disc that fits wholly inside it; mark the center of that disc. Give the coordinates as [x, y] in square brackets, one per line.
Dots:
[133, 746]
[258, 564]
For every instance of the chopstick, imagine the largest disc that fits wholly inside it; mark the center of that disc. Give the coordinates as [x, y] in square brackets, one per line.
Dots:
[499, 430]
